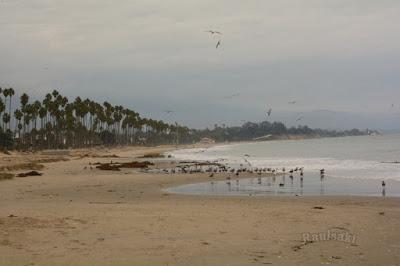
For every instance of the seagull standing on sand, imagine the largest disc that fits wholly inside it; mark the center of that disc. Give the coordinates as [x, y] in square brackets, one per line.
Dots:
[383, 188]
[247, 161]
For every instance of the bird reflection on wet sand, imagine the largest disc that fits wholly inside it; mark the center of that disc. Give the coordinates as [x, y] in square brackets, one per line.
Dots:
[304, 184]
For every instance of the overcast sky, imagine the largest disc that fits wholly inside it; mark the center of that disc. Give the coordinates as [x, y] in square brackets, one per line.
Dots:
[154, 55]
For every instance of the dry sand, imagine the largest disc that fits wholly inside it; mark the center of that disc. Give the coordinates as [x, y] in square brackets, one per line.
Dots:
[73, 216]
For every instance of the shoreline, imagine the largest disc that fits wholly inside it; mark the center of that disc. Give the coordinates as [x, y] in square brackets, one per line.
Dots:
[265, 186]
[72, 215]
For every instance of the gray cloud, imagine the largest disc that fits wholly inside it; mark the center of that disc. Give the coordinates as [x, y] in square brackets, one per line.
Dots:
[154, 55]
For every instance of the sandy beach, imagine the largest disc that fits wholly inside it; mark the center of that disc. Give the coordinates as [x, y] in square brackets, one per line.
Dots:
[73, 215]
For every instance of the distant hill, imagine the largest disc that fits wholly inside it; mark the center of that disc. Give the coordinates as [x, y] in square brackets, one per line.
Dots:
[334, 120]
[271, 130]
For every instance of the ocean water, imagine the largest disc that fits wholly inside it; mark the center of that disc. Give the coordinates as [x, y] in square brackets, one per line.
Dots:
[364, 157]
[353, 166]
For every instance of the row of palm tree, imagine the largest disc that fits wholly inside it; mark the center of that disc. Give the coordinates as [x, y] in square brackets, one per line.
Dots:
[55, 122]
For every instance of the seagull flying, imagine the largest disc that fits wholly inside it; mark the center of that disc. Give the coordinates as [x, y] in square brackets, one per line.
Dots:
[212, 32]
[232, 96]
[292, 102]
[218, 44]
[168, 111]
[269, 112]
[299, 119]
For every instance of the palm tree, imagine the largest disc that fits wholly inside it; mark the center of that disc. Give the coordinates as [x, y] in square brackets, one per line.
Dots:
[5, 94]
[1, 102]
[6, 119]
[11, 93]
[2, 109]
[42, 116]
[81, 123]
[18, 116]
[24, 99]
[117, 117]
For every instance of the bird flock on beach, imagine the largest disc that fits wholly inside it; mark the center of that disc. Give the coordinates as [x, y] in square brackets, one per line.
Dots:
[215, 167]
[244, 170]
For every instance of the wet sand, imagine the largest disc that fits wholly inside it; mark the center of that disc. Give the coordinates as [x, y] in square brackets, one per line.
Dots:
[310, 184]
[77, 216]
